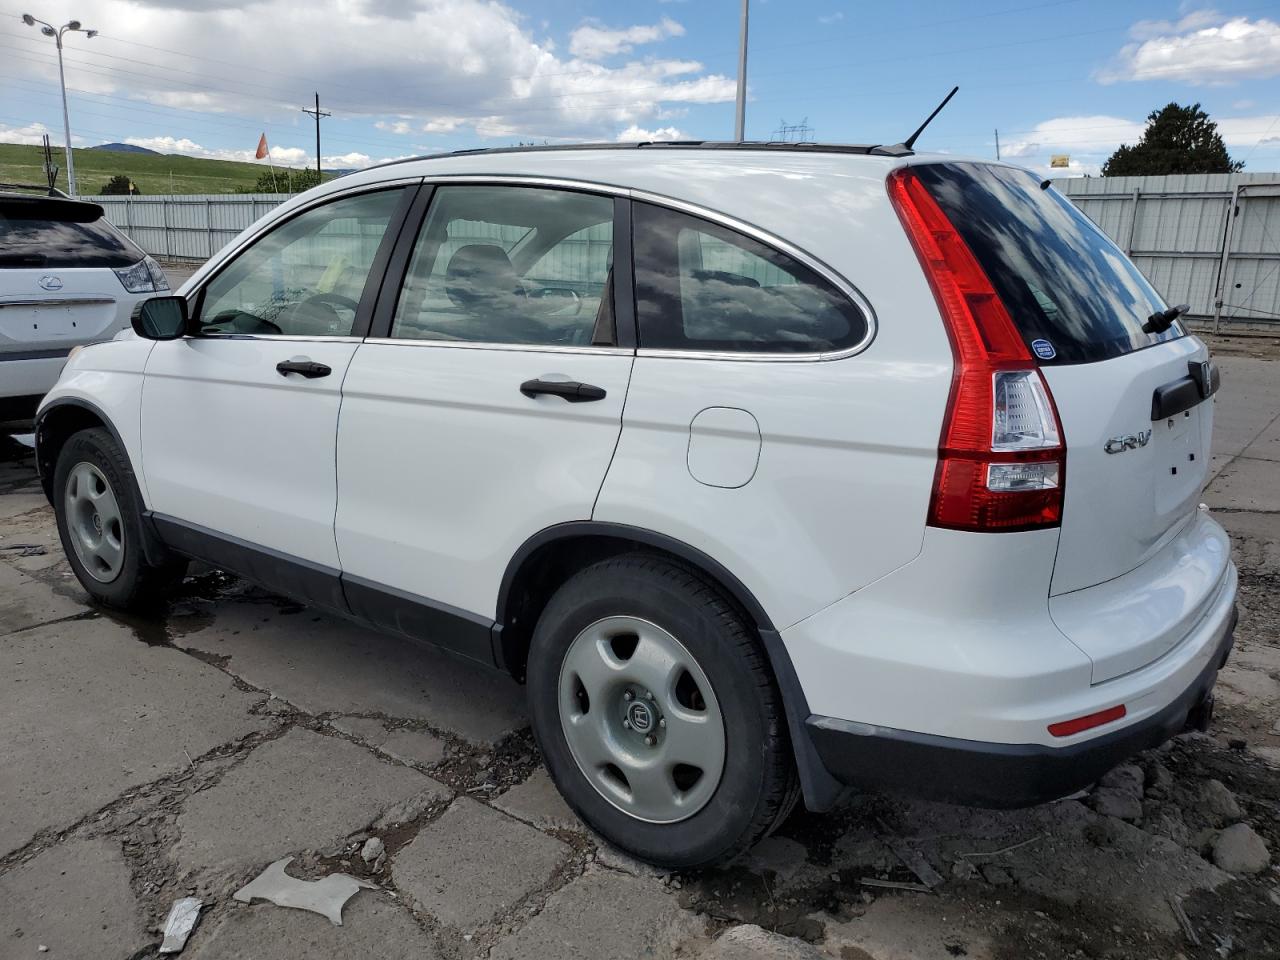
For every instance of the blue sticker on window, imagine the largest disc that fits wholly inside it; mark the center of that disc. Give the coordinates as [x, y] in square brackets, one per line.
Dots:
[1043, 349]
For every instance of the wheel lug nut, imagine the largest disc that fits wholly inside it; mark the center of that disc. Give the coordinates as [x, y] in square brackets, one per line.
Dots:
[626, 724]
[662, 723]
[649, 697]
[650, 740]
[628, 695]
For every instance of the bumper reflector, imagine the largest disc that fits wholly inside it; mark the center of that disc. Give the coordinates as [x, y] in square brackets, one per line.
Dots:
[1066, 728]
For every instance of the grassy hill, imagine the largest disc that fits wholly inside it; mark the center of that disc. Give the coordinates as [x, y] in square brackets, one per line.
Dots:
[153, 174]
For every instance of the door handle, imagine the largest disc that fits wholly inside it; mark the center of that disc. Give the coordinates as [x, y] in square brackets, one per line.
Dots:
[570, 390]
[308, 368]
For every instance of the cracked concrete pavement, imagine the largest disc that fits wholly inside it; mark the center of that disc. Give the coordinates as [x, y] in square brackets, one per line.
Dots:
[146, 760]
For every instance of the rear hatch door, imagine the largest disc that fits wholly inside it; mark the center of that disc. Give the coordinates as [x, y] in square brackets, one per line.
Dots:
[57, 285]
[1134, 413]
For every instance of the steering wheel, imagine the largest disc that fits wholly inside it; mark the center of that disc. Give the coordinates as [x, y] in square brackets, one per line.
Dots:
[332, 300]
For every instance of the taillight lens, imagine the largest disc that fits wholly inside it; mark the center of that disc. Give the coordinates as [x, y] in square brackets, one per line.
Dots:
[1001, 458]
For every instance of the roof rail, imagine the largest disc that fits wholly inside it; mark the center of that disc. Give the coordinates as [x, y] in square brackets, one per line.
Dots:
[769, 145]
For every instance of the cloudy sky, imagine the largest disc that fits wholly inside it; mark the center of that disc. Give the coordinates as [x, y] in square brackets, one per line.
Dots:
[405, 77]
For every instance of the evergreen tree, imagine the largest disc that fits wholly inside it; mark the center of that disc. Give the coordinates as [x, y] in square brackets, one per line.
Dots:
[1177, 140]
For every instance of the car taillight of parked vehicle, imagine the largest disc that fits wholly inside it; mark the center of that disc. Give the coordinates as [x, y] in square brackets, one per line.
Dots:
[145, 276]
[1001, 457]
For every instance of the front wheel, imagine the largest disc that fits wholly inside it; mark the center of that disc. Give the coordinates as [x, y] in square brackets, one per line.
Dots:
[657, 713]
[99, 516]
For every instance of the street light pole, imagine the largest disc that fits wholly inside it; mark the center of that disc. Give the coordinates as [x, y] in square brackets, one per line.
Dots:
[740, 121]
[56, 33]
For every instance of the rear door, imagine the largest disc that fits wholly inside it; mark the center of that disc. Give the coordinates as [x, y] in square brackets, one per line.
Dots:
[1134, 472]
[486, 405]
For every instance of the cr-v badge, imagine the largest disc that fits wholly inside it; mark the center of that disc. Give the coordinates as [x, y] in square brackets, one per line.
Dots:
[1131, 442]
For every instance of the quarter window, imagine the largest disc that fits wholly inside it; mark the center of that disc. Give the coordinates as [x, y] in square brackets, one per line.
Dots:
[701, 286]
[520, 265]
[306, 277]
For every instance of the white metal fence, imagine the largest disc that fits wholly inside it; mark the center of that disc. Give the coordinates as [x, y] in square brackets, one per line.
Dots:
[1208, 240]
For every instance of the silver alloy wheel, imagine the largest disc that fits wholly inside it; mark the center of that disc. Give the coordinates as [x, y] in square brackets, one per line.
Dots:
[641, 719]
[94, 522]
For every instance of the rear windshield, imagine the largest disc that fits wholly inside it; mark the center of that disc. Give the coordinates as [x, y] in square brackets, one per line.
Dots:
[1061, 279]
[36, 234]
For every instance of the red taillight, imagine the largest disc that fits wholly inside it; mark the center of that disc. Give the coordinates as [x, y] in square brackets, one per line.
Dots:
[1001, 465]
[1067, 727]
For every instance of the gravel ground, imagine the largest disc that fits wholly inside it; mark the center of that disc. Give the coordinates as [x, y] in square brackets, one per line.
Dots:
[147, 760]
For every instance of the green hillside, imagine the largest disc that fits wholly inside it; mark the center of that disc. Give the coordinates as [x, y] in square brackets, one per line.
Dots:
[152, 174]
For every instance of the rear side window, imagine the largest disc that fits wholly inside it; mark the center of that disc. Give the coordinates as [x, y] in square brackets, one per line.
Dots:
[38, 234]
[1061, 278]
[701, 286]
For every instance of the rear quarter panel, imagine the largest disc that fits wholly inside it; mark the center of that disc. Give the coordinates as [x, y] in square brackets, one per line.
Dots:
[847, 446]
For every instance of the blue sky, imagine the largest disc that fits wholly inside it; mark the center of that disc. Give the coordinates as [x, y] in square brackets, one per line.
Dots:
[404, 77]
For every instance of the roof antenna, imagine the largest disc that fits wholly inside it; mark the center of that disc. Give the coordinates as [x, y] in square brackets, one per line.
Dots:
[904, 148]
[911, 140]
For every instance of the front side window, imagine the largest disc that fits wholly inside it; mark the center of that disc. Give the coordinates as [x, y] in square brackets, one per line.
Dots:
[520, 265]
[701, 286]
[304, 278]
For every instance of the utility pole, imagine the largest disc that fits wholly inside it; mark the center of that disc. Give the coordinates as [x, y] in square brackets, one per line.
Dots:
[318, 113]
[997, 144]
[740, 122]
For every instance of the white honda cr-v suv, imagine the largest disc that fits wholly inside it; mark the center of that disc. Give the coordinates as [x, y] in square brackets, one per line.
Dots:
[769, 469]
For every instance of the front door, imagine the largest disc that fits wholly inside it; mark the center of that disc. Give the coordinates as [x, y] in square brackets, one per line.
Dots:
[239, 417]
[487, 409]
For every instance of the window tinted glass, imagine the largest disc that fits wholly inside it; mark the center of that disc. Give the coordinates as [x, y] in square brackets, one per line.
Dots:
[510, 265]
[1060, 277]
[700, 286]
[31, 235]
[305, 277]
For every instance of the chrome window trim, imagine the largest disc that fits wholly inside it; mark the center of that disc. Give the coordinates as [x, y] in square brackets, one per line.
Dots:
[818, 266]
[526, 347]
[284, 337]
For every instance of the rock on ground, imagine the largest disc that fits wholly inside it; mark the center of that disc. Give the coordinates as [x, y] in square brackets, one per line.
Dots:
[1239, 850]
[605, 916]
[302, 791]
[474, 864]
[73, 898]
[750, 942]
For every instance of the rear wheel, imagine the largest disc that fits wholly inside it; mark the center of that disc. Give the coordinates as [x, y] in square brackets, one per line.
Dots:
[99, 516]
[657, 713]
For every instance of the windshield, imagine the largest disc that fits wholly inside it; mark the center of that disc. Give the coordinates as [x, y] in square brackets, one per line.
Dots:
[1073, 294]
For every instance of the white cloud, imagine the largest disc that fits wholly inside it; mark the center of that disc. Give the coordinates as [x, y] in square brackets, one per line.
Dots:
[355, 160]
[1202, 48]
[32, 133]
[1086, 135]
[831, 18]
[444, 67]
[395, 126]
[595, 43]
[634, 134]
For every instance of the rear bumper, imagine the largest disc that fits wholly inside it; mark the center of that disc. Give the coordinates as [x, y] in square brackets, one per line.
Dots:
[1002, 775]
[28, 375]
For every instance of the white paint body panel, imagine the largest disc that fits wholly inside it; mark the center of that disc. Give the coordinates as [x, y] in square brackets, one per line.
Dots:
[91, 305]
[231, 444]
[724, 447]
[445, 468]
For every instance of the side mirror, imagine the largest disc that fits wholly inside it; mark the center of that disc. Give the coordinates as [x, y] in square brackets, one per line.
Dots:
[161, 318]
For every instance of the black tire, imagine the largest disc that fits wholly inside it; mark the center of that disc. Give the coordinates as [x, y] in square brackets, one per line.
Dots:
[138, 585]
[758, 784]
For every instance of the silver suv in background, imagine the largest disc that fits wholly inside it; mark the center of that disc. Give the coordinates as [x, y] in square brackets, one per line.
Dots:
[67, 278]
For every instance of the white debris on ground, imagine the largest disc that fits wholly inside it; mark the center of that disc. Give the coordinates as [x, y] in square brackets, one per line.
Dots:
[325, 897]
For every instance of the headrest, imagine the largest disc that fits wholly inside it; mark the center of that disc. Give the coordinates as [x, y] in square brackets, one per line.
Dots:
[480, 275]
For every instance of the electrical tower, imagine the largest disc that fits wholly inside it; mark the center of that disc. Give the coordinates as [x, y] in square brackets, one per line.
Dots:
[793, 132]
